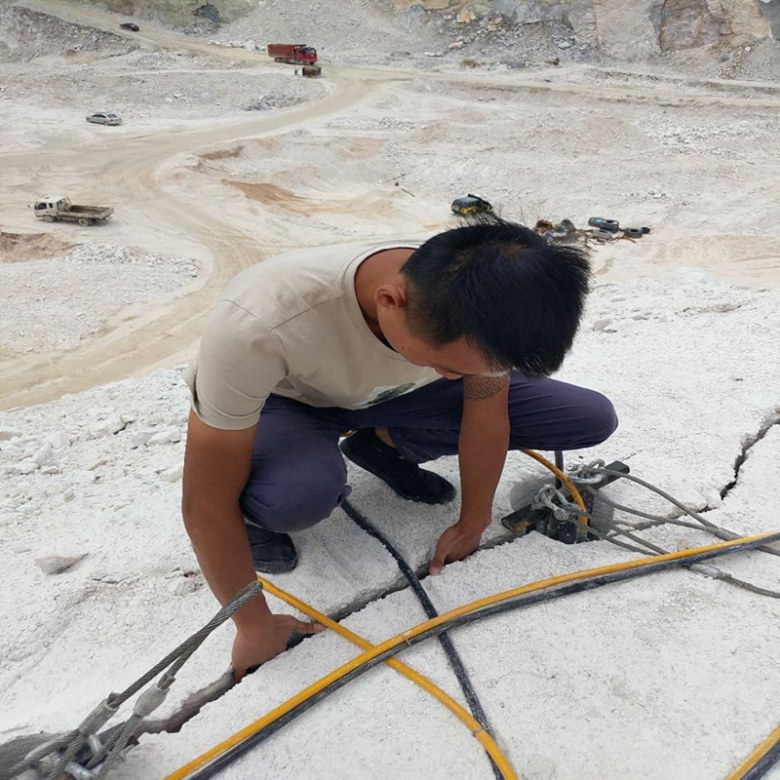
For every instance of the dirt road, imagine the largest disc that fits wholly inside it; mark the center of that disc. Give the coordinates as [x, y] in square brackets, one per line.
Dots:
[138, 176]
[127, 173]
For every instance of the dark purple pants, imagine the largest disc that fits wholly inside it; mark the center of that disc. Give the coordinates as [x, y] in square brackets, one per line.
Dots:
[298, 473]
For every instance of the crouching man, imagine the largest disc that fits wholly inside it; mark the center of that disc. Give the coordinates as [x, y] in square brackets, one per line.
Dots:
[421, 351]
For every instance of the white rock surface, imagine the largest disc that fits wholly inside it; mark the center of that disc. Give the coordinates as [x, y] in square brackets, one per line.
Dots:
[675, 676]
[545, 667]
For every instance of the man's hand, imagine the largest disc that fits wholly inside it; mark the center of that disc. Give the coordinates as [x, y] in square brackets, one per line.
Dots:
[482, 446]
[252, 648]
[456, 542]
[216, 467]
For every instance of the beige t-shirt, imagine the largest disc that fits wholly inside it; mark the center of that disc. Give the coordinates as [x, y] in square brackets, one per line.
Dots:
[292, 326]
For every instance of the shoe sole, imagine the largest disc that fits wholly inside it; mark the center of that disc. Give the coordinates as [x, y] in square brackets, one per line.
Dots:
[279, 567]
[358, 461]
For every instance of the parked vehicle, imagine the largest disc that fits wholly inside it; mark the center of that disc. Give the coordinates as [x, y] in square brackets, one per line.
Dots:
[130, 26]
[52, 209]
[293, 53]
[471, 204]
[105, 118]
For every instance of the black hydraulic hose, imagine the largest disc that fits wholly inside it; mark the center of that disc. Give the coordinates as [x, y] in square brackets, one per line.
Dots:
[431, 612]
[559, 466]
[523, 600]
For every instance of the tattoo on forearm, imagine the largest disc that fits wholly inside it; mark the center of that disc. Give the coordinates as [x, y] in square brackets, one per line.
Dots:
[475, 388]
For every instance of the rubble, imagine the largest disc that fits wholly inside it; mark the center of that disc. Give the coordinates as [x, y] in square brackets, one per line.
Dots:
[51, 302]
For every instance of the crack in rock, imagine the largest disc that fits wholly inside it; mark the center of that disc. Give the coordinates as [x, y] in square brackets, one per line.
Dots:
[747, 444]
[15, 750]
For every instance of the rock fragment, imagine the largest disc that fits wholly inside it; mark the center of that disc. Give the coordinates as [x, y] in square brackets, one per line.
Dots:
[57, 564]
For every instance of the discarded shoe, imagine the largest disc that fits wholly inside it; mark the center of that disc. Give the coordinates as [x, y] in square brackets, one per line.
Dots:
[365, 449]
[272, 552]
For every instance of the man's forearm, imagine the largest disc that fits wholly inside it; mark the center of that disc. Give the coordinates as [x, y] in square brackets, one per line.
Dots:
[481, 452]
[221, 546]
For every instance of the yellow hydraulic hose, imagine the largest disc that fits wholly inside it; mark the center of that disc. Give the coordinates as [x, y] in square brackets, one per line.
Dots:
[473, 725]
[443, 619]
[756, 756]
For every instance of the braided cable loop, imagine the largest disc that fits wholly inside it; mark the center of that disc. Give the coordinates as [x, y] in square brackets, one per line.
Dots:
[59, 755]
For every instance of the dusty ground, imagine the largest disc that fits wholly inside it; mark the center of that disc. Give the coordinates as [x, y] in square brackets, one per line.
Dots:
[368, 152]
[226, 158]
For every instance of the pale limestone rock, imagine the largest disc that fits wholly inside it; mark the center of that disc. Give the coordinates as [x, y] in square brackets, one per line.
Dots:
[43, 454]
[625, 31]
[107, 427]
[172, 474]
[744, 19]
[57, 564]
[59, 440]
[166, 436]
[25, 467]
[686, 24]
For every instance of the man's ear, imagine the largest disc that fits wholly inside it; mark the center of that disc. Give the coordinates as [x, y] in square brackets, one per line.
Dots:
[391, 295]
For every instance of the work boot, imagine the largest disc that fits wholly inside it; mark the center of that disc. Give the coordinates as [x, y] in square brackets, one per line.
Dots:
[365, 449]
[272, 552]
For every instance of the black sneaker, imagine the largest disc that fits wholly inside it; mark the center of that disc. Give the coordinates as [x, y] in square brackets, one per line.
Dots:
[272, 552]
[365, 449]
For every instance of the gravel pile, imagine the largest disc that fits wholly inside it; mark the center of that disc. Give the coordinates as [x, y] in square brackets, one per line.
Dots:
[59, 302]
[188, 92]
[85, 446]
[348, 32]
[26, 35]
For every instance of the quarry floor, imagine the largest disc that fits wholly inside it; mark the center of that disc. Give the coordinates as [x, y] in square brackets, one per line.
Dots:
[675, 676]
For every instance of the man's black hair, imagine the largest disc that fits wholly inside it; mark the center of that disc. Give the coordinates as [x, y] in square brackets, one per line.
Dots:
[502, 287]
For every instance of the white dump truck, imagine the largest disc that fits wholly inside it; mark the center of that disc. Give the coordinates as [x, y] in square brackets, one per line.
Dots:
[60, 208]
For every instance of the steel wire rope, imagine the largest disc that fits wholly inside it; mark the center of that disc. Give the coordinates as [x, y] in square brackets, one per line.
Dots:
[710, 571]
[477, 730]
[711, 527]
[119, 736]
[655, 519]
[228, 750]
[453, 657]
[603, 535]
[705, 525]
[153, 697]
[613, 530]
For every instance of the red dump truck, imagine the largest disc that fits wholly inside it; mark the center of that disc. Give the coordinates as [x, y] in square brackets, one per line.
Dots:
[294, 53]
